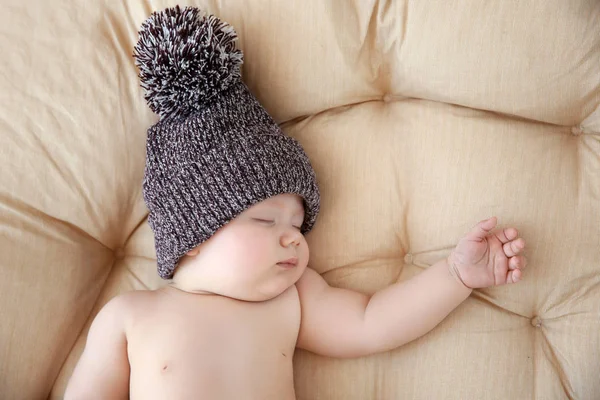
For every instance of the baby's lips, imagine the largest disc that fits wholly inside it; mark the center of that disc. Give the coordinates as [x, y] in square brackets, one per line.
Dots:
[289, 262]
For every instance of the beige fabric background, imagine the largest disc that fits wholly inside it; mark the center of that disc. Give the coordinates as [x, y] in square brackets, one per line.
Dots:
[420, 117]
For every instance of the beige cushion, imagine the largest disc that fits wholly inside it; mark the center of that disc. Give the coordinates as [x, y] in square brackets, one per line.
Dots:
[420, 117]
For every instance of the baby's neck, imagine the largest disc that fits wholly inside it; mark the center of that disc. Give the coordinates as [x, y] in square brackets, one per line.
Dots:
[178, 287]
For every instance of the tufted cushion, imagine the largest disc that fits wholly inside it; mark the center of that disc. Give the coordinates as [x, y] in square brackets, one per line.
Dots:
[420, 118]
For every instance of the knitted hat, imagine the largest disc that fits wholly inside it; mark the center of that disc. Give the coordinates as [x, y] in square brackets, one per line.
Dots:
[214, 151]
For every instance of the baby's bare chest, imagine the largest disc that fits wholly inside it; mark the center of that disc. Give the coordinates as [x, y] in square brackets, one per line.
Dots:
[216, 346]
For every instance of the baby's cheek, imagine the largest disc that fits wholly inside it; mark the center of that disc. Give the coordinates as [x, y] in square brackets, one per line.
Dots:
[260, 241]
[305, 251]
[256, 256]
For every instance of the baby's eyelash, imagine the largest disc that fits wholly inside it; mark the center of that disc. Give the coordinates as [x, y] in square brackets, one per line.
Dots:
[267, 221]
[270, 221]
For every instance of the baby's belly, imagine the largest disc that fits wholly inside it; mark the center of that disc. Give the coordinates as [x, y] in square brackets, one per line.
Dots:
[239, 371]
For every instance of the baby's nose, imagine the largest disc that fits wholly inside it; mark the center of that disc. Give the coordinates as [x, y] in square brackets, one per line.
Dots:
[291, 238]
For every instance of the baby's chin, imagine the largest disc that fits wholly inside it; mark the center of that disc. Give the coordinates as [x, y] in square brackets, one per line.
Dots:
[266, 292]
[243, 288]
[269, 288]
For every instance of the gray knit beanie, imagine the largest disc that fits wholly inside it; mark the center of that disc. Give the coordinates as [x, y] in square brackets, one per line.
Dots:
[214, 151]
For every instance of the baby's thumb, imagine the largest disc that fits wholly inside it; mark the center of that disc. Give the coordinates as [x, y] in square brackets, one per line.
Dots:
[483, 228]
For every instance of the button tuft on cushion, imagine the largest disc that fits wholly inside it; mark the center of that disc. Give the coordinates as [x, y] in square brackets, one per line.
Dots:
[408, 258]
[576, 131]
[536, 322]
[120, 253]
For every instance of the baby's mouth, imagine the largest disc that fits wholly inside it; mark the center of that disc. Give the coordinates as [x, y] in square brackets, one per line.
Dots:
[289, 263]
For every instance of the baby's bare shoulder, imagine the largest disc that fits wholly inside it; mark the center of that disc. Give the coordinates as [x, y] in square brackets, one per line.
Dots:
[126, 302]
[136, 298]
[123, 308]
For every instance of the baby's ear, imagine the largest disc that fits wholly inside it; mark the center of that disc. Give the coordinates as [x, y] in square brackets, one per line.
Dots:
[193, 252]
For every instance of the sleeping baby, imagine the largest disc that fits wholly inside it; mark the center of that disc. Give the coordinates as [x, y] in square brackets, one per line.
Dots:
[230, 200]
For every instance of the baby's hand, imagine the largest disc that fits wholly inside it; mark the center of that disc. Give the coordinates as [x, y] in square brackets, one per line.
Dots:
[486, 258]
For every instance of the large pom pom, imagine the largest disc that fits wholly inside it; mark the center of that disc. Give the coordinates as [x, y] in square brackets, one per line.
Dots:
[185, 58]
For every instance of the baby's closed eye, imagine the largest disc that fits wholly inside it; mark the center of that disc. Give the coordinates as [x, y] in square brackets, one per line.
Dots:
[266, 221]
[271, 222]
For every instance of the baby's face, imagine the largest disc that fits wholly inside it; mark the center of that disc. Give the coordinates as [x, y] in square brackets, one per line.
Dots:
[255, 257]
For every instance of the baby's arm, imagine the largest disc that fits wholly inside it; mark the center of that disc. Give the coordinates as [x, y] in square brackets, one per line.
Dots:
[342, 323]
[103, 369]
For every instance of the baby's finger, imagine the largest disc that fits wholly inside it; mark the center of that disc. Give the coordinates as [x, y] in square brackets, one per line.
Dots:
[483, 228]
[513, 276]
[513, 247]
[506, 235]
[518, 262]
